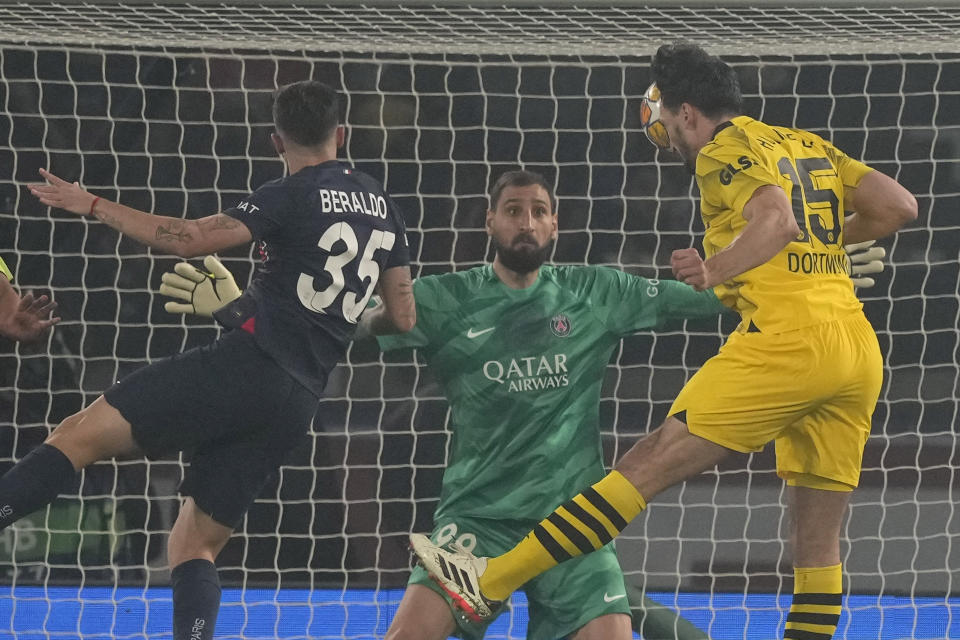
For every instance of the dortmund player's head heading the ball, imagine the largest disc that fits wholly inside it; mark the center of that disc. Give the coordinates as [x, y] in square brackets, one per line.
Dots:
[697, 91]
[522, 221]
[307, 116]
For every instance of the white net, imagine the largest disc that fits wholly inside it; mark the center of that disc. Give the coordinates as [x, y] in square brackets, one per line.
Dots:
[167, 107]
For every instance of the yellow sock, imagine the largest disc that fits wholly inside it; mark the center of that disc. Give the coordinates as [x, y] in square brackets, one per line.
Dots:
[586, 523]
[817, 599]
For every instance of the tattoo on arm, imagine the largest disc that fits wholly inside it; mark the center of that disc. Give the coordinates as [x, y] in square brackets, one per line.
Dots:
[174, 232]
[111, 221]
[217, 222]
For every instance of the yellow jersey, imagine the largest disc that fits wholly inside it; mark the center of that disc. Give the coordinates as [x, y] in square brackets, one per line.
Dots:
[807, 282]
[5, 270]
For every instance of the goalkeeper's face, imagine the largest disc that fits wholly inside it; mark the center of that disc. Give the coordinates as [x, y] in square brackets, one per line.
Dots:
[523, 228]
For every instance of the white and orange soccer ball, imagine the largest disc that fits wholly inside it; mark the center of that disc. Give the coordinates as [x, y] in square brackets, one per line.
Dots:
[650, 118]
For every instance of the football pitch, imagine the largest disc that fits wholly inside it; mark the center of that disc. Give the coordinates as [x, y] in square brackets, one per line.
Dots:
[364, 614]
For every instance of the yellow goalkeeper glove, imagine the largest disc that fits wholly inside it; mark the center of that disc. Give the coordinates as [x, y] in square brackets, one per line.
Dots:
[203, 291]
[864, 259]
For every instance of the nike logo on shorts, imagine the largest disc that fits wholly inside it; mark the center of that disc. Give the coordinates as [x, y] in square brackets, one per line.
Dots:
[609, 598]
[473, 334]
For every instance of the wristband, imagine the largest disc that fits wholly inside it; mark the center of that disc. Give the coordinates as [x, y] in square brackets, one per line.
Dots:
[93, 204]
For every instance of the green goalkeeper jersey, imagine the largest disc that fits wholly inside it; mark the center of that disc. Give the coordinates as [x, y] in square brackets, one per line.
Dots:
[522, 371]
[5, 270]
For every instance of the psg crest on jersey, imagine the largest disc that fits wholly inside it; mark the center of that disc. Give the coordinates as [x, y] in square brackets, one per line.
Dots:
[560, 325]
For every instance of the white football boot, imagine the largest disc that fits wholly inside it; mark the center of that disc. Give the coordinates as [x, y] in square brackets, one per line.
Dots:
[458, 573]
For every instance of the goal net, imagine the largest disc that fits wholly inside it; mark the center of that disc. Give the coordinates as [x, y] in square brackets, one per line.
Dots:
[167, 108]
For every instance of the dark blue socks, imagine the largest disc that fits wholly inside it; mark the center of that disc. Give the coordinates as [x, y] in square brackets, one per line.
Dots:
[196, 599]
[33, 483]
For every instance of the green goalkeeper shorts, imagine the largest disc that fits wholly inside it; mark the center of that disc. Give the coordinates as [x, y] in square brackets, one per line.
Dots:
[560, 601]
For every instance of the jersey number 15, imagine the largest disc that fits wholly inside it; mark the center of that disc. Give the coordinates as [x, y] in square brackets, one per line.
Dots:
[805, 196]
[320, 301]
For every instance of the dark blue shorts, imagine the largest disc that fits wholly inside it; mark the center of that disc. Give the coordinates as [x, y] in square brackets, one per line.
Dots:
[229, 407]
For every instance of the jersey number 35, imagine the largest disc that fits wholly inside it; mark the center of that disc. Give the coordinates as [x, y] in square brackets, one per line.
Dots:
[368, 268]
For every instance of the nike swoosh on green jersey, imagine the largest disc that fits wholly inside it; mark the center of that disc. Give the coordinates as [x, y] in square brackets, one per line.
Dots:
[473, 334]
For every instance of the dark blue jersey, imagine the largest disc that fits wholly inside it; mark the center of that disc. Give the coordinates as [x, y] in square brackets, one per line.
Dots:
[326, 234]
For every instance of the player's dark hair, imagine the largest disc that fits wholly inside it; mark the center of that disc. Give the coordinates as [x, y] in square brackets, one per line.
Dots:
[686, 73]
[520, 179]
[306, 112]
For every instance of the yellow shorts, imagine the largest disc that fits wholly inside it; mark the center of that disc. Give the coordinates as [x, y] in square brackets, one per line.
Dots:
[812, 390]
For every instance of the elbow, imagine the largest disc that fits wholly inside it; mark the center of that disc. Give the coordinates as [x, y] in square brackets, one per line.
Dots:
[788, 230]
[405, 324]
[405, 321]
[907, 209]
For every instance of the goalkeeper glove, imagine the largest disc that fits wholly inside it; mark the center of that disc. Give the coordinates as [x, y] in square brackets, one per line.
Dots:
[864, 259]
[203, 291]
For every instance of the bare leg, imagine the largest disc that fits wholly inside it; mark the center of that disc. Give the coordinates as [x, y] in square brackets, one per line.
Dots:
[195, 541]
[668, 456]
[816, 519]
[613, 626]
[195, 535]
[97, 432]
[422, 615]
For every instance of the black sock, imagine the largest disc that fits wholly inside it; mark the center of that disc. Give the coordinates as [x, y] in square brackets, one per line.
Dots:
[196, 599]
[33, 483]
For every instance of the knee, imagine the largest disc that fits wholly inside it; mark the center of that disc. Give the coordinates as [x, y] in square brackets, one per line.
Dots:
[67, 429]
[195, 535]
[70, 438]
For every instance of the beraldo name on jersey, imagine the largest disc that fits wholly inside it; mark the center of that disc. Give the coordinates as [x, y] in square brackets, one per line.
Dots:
[332, 201]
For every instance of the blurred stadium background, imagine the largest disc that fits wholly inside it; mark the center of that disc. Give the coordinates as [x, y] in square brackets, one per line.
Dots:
[167, 108]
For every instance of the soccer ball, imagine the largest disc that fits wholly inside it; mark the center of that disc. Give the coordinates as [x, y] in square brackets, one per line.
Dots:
[650, 118]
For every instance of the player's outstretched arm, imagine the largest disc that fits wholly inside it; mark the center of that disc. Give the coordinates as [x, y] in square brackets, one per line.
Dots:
[880, 207]
[24, 318]
[184, 238]
[398, 313]
[201, 291]
[770, 227]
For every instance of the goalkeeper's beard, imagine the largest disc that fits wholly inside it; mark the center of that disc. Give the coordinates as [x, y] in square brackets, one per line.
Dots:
[523, 256]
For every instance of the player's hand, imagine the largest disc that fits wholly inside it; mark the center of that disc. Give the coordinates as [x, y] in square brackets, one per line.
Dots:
[688, 266]
[59, 193]
[864, 259]
[32, 319]
[203, 291]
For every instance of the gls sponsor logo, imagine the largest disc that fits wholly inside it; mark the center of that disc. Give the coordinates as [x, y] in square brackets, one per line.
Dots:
[529, 374]
[727, 173]
[6, 511]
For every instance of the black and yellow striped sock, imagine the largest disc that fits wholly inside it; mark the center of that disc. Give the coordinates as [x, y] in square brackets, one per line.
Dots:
[817, 598]
[586, 523]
